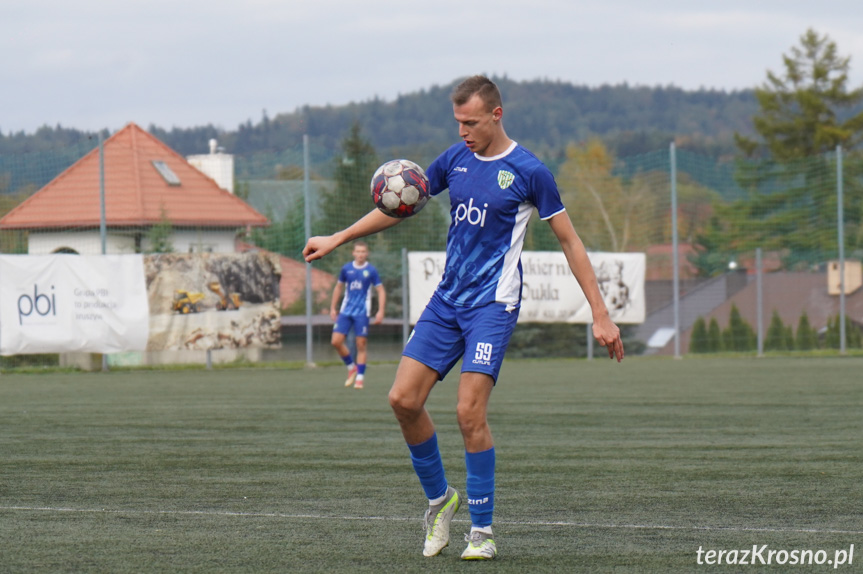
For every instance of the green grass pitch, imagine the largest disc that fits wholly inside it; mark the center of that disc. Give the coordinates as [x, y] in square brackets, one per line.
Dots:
[602, 467]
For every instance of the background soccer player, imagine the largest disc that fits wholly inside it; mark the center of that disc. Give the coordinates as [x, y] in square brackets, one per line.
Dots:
[494, 186]
[358, 276]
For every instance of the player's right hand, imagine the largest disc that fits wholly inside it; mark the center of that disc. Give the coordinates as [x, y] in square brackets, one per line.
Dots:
[317, 247]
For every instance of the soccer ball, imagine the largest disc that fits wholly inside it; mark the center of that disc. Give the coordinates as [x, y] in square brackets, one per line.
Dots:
[400, 188]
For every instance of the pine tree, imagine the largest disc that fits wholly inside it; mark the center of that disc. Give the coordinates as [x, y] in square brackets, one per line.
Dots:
[807, 338]
[789, 338]
[714, 336]
[349, 199]
[698, 340]
[805, 113]
[739, 335]
[775, 340]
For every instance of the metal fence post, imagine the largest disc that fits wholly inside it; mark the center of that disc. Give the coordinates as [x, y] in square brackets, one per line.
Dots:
[307, 200]
[405, 301]
[675, 251]
[103, 224]
[759, 301]
[840, 226]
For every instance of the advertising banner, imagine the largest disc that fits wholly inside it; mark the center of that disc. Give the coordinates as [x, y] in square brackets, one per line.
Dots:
[202, 301]
[550, 293]
[64, 303]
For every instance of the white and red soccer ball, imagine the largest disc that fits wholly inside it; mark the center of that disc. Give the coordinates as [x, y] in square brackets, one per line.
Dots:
[400, 188]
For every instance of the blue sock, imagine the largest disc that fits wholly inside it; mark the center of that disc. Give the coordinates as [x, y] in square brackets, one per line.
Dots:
[480, 486]
[348, 360]
[361, 369]
[428, 465]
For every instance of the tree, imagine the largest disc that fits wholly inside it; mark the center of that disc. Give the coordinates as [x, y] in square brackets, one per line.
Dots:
[610, 213]
[805, 113]
[776, 334]
[714, 336]
[739, 335]
[288, 236]
[801, 112]
[806, 338]
[833, 339]
[349, 199]
[698, 340]
[12, 240]
[160, 234]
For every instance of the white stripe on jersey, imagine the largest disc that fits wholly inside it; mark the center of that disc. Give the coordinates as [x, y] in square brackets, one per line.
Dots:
[509, 285]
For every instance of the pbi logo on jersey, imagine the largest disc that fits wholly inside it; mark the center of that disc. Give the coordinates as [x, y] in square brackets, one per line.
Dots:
[505, 179]
[473, 215]
[355, 284]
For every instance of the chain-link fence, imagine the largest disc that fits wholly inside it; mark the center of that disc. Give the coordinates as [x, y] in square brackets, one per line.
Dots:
[742, 255]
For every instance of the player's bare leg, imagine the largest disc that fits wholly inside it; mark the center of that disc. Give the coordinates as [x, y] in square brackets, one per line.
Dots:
[414, 381]
[474, 390]
[338, 343]
[362, 345]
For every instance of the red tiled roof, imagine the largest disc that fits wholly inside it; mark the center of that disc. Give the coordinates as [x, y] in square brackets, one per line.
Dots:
[135, 193]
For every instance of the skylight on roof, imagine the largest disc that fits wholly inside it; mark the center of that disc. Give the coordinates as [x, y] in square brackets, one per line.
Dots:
[166, 172]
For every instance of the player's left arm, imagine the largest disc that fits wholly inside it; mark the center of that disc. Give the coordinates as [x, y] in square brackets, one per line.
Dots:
[604, 329]
[382, 303]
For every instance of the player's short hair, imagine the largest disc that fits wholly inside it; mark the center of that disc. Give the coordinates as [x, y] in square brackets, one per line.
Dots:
[360, 244]
[477, 85]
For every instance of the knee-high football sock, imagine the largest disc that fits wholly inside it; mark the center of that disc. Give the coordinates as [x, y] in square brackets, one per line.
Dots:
[428, 465]
[480, 486]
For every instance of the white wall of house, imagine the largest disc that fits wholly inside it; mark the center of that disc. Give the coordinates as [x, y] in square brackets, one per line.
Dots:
[82, 242]
[89, 243]
[201, 241]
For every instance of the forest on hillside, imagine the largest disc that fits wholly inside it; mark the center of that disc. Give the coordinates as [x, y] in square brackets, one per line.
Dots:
[543, 115]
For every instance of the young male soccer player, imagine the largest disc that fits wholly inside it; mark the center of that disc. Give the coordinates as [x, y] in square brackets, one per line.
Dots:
[358, 277]
[494, 185]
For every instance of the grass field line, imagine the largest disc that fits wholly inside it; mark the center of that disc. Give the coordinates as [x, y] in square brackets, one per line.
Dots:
[539, 523]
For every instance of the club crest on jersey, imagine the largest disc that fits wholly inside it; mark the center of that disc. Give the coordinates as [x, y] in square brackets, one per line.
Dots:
[505, 179]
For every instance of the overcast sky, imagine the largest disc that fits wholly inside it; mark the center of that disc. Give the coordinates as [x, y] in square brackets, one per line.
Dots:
[92, 64]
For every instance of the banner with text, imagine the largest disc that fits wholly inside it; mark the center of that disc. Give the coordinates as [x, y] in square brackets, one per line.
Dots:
[61, 303]
[550, 293]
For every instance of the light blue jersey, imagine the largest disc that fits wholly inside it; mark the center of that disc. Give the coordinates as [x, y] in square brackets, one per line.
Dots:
[492, 199]
[358, 288]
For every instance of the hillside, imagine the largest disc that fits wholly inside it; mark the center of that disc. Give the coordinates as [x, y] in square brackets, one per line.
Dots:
[544, 115]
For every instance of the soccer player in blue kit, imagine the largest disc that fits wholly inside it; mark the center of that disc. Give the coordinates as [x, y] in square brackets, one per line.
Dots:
[356, 279]
[494, 185]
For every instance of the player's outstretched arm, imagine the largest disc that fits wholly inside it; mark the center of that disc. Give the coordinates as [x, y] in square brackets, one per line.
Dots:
[370, 223]
[604, 329]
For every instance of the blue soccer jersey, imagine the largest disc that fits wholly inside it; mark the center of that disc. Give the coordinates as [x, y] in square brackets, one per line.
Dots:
[358, 288]
[492, 199]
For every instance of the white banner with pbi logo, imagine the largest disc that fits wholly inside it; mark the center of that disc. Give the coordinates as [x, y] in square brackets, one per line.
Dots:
[550, 293]
[72, 303]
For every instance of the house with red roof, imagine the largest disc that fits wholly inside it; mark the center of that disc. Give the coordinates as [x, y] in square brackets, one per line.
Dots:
[147, 185]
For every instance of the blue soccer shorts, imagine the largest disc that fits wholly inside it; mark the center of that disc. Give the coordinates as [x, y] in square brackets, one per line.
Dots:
[359, 323]
[446, 333]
